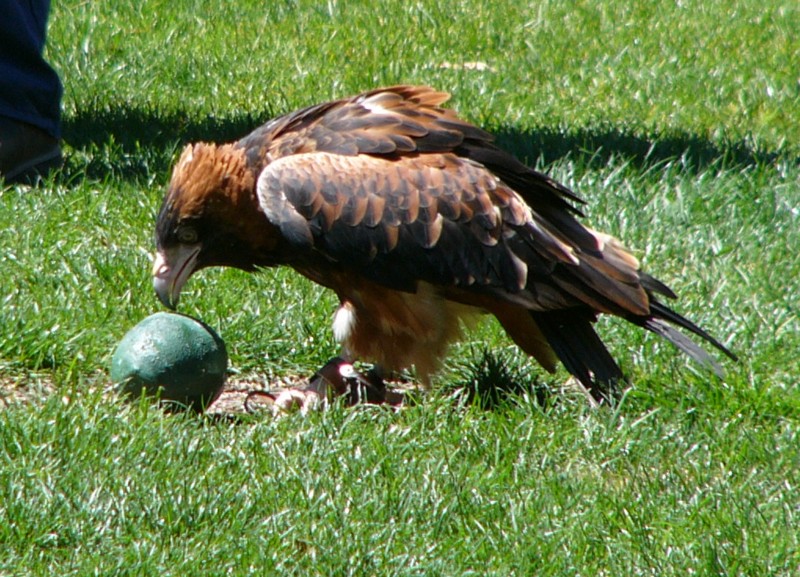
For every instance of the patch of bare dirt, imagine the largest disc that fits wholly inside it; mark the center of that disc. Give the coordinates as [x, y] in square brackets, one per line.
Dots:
[241, 394]
[24, 389]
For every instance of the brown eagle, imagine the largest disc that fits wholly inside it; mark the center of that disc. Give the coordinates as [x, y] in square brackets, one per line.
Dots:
[417, 221]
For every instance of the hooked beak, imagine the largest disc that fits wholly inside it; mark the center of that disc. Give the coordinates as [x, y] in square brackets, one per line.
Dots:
[172, 267]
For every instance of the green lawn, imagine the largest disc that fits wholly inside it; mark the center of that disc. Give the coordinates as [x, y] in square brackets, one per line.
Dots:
[679, 123]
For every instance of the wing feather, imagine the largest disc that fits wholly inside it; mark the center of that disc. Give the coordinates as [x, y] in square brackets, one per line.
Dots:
[445, 221]
[425, 232]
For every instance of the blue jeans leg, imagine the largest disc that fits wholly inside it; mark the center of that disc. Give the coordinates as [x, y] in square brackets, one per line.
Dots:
[30, 90]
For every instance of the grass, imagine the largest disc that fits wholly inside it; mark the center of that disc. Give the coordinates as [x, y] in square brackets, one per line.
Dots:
[676, 122]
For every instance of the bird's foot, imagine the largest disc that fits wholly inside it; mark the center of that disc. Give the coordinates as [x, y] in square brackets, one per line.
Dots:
[291, 400]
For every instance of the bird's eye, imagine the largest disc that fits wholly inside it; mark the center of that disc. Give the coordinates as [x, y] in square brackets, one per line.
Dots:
[187, 235]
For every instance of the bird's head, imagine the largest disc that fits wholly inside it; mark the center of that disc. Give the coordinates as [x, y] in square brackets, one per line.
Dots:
[209, 217]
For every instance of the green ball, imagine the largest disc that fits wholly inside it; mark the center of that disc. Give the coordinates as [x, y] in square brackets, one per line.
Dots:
[174, 357]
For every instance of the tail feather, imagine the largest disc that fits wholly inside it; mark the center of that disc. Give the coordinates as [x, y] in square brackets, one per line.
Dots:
[575, 342]
[683, 342]
[655, 323]
[653, 285]
[572, 337]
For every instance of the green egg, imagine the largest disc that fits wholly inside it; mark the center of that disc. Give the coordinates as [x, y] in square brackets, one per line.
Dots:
[175, 357]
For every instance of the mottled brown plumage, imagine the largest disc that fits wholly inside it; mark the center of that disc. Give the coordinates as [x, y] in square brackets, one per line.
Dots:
[417, 221]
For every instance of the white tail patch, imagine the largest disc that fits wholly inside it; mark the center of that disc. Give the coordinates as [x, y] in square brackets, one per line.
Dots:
[344, 321]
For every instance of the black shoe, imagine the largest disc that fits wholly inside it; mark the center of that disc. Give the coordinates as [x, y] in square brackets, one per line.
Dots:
[26, 152]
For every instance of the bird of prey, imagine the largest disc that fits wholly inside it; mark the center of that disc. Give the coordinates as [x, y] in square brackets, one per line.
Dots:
[417, 221]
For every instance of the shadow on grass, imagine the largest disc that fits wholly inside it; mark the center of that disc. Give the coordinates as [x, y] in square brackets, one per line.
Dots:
[135, 144]
[130, 127]
[594, 147]
[142, 141]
